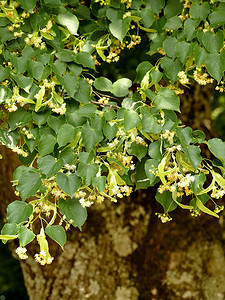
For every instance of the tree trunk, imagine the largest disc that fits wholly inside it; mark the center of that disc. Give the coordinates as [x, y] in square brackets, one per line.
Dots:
[124, 251]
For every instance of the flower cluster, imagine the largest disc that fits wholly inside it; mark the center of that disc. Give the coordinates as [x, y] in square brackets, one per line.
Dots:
[135, 40]
[48, 27]
[21, 252]
[200, 78]
[169, 135]
[220, 87]
[217, 193]
[35, 39]
[103, 100]
[43, 259]
[183, 77]
[45, 208]
[19, 151]
[128, 3]
[87, 199]
[27, 133]
[47, 84]
[121, 191]
[124, 159]
[57, 108]
[54, 189]
[164, 217]
[177, 181]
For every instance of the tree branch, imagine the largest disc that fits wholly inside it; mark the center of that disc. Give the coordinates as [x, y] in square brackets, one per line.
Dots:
[105, 104]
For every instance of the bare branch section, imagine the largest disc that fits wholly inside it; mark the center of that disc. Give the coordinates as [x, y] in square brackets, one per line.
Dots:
[105, 104]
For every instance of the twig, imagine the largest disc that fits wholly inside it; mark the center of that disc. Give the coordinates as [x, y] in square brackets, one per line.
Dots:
[105, 104]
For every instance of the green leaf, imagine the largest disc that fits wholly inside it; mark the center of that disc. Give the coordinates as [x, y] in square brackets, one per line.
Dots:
[55, 122]
[200, 11]
[147, 16]
[142, 69]
[66, 56]
[151, 164]
[213, 42]
[166, 200]
[193, 154]
[8, 139]
[217, 147]
[68, 20]
[46, 144]
[137, 150]
[83, 93]
[5, 93]
[57, 233]
[120, 88]
[215, 64]
[66, 134]
[200, 55]
[85, 59]
[29, 183]
[73, 210]
[41, 117]
[49, 165]
[68, 183]
[91, 137]
[199, 136]
[167, 99]
[141, 180]
[189, 28]
[25, 236]
[150, 124]
[35, 69]
[99, 183]
[23, 82]
[131, 119]
[52, 3]
[87, 110]
[4, 73]
[59, 67]
[110, 131]
[183, 50]
[87, 172]
[9, 231]
[119, 28]
[68, 155]
[173, 8]
[173, 23]
[155, 150]
[19, 212]
[69, 82]
[28, 5]
[203, 208]
[156, 5]
[19, 118]
[171, 67]
[156, 76]
[185, 135]
[217, 18]
[103, 84]
[169, 45]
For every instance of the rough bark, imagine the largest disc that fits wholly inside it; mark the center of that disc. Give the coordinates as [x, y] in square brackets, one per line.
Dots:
[125, 253]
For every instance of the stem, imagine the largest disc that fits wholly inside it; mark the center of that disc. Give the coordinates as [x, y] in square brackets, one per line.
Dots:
[105, 104]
